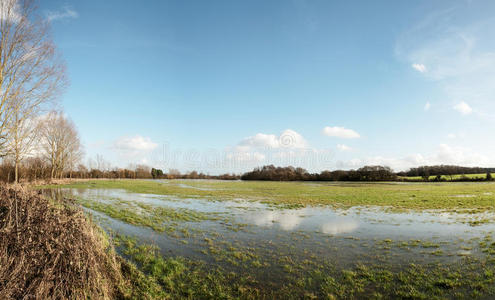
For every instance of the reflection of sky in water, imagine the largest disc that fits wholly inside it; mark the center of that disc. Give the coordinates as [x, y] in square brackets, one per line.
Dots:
[304, 218]
[287, 220]
[319, 234]
[360, 221]
[341, 226]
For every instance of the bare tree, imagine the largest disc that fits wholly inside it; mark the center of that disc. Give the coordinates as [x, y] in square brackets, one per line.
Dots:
[102, 164]
[23, 131]
[60, 143]
[31, 73]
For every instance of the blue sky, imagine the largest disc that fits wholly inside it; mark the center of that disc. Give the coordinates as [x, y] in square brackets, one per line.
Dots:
[222, 86]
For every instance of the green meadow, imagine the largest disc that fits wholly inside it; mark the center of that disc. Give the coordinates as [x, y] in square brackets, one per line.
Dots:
[445, 196]
[208, 239]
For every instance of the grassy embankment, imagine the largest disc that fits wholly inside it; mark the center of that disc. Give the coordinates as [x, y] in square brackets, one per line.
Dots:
[397, 196]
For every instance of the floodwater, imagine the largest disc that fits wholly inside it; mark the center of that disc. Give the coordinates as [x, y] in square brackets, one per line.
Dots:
[242, 234]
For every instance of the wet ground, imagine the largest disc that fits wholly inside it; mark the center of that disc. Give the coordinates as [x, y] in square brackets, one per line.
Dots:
[318, 234]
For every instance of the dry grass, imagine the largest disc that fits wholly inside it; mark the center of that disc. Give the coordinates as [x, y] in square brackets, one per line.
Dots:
[51, 251]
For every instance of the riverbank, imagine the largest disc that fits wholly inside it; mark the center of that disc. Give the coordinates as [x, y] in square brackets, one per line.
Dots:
[51, 250]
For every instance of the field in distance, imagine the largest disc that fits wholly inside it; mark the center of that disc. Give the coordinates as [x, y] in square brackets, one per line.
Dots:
[479, 196]
[448, 177]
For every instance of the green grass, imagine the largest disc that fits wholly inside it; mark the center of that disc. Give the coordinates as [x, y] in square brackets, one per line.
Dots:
[232, 270]
[448, 196]
[179, 278]
[158, 218]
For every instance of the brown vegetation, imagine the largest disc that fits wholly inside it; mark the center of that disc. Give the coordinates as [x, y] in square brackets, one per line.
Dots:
[50, 251]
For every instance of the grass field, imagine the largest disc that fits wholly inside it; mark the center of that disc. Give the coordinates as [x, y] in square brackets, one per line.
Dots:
[447, 196]
[213, 239]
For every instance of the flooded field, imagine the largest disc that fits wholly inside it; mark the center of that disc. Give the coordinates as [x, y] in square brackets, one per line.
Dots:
[268, 249]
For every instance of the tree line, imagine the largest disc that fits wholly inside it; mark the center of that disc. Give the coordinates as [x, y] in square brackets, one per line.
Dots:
[369, 173]
[446, 170]
[175, 174]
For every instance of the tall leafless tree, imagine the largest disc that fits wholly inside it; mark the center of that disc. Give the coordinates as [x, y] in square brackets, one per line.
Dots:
[60, 144]
[23, 133]
[31, 73]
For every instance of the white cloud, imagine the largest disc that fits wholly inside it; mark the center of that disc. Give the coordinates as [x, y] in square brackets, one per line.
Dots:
[427, 106]
[291, 139]
[287, 149]
[66, 13]
[463, 108]
[260, 140]
[246, 157]
[451, 136]
[444, 154]
[136, 143]
[460, 156]
[133, 149]
[287, 139]
[340, 132]
[343, 147]
[419, 67]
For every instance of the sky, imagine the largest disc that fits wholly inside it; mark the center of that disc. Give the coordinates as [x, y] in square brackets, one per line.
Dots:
[225, 86]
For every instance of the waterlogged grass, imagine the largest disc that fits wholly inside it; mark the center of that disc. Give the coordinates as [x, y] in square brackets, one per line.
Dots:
[474, 197]
[244, 263]
[158, 218]
[181, 278]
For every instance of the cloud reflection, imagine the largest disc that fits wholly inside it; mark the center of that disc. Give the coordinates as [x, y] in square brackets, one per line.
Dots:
[287, 220]
[339, 226]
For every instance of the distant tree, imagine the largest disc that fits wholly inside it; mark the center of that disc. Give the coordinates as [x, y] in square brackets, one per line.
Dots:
[425, 174]
[142, 171]
[102, 164]
[173, 173]
[156, 173]
[60, 144]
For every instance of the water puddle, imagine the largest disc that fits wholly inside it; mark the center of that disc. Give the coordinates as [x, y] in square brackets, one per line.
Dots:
[240, 234]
